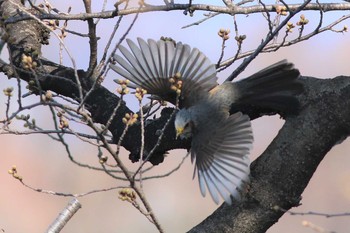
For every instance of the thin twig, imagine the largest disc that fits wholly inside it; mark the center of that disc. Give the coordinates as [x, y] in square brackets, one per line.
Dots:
[142, 123]
[208, 16]
[110, 119]
[19, 91]
[321, 17]
[222, 52]
[8, 101]
[238, 51]
[127, 175]
[283, 41]
[122, 38]
[267, 17]
[102, 72]
[63, 35]
[93, 40]
[270, 36]
[116, 26]
[157, 144]
[272, 47]
[102, 10]
[312, 213]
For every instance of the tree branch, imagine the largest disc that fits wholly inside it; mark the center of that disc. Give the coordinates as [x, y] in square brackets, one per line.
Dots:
[93, 40]
[66, 214]
[281, 173]
[268, 38]
[238, 10]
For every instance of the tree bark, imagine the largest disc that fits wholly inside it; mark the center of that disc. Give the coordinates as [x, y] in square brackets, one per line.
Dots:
[282, 172]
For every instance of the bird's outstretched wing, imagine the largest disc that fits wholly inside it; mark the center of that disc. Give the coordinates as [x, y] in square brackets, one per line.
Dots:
[221, 158]
[150, 65]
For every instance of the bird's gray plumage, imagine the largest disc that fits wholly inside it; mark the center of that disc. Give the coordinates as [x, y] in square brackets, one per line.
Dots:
[150, 65]
[220, 141]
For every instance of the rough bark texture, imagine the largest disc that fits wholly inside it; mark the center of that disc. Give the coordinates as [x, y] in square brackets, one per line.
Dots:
[281, 173]
[278, 176]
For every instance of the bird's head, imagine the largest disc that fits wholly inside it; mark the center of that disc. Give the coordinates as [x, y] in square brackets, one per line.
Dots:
[183, 124]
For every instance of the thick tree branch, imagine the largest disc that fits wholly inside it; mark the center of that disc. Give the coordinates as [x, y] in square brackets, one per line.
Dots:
[195, 7]
[281, 173]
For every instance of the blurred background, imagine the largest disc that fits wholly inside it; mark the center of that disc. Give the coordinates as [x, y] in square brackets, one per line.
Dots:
[176, 200]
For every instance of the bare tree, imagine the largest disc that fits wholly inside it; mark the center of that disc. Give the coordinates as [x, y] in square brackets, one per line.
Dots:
[79, 97]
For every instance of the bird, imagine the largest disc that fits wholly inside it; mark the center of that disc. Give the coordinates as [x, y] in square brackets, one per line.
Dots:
[210, 114]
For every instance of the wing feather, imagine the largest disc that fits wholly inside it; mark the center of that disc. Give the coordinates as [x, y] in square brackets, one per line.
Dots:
[190, 62]
[178, 56]
[140, 58]
[134, 62]
[194, 73]
[221, 159]
[133, 75]
[202, 183]
[155, 56]
[162, 58]
[222, 185]
[150, 64]
[211, 185]
[147, 55]
[157, 67]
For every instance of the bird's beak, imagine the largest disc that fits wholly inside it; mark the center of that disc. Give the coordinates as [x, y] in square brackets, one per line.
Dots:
[179, 131]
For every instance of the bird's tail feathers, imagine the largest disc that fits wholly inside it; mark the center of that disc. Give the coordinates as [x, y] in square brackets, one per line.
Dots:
[274, 87]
